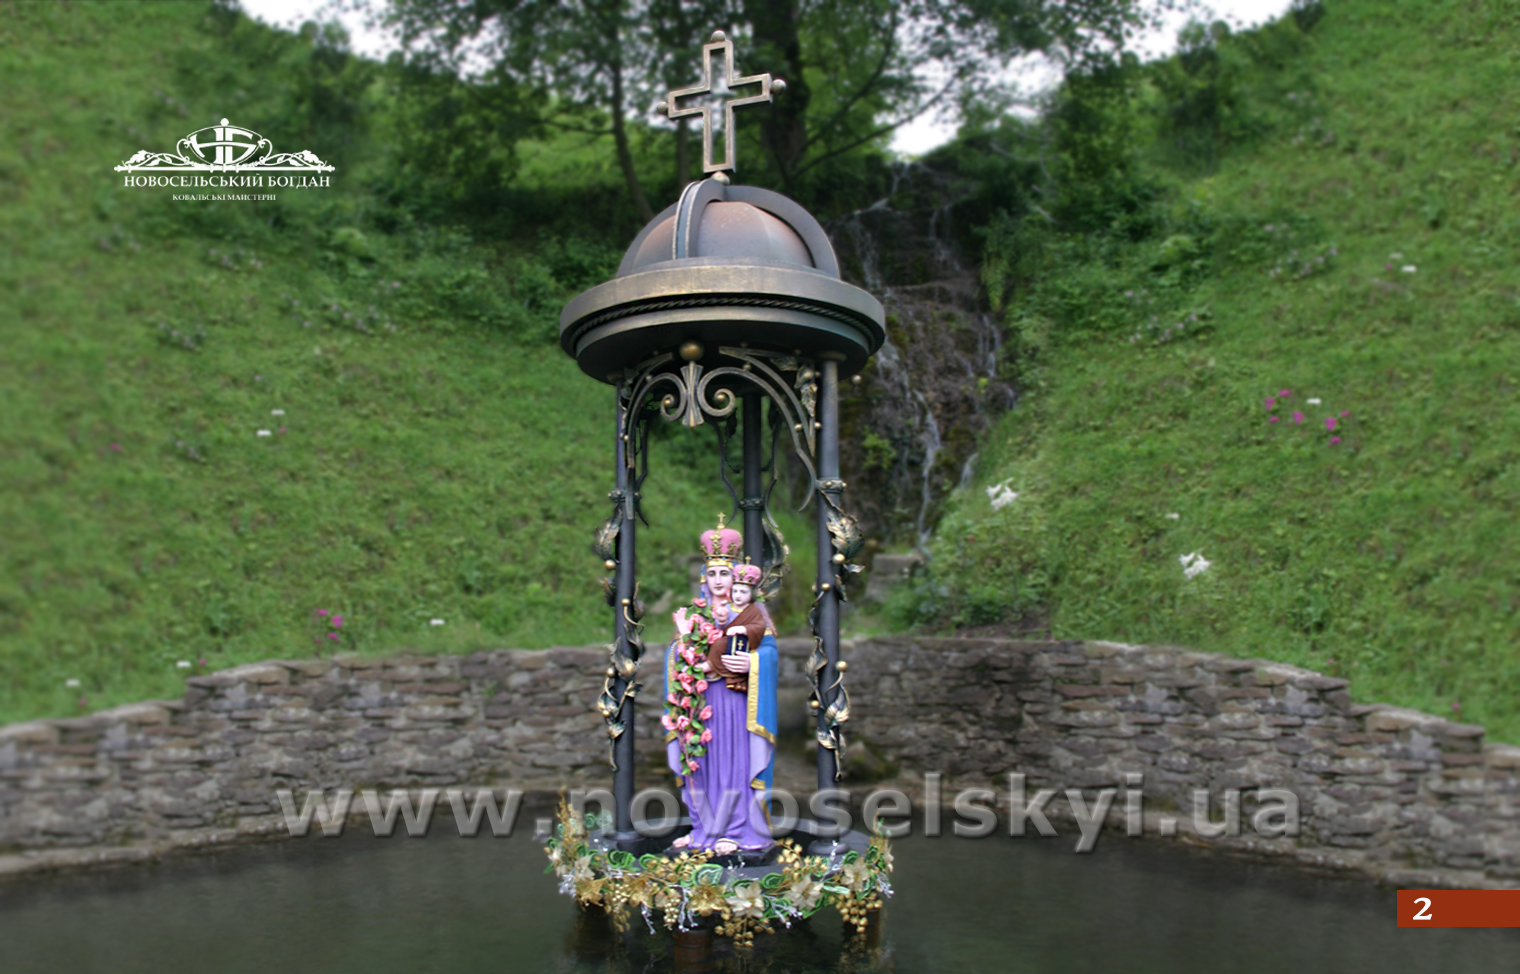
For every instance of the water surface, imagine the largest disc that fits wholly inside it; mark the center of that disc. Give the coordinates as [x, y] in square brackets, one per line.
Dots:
[361, 904]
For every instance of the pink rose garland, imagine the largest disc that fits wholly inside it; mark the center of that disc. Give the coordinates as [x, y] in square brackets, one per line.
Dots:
[686, 705]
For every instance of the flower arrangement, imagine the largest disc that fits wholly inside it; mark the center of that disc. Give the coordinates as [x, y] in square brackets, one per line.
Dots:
[687, 709]
[690, 887]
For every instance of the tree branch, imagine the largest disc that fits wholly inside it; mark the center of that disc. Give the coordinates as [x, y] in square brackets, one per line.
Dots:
[866, 87]
[883, 130]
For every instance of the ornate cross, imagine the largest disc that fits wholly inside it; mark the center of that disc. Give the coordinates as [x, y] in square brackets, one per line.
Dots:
[730, 80]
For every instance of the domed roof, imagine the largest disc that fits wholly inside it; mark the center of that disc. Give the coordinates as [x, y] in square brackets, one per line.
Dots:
[726, 266]
[726, 230]
[715, 220]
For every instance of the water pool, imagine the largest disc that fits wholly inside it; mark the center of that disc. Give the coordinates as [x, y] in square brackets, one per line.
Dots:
[361, 904]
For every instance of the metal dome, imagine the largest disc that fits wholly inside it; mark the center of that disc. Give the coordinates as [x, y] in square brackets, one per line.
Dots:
[724, 266]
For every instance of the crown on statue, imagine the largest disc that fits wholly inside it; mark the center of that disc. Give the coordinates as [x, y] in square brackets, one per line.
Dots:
[722, 545]
[747, 574]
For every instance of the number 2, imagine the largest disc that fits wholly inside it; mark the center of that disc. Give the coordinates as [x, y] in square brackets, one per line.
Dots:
[1424, 913]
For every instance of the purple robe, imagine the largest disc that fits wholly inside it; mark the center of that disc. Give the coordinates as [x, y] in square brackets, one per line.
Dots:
[721, 794]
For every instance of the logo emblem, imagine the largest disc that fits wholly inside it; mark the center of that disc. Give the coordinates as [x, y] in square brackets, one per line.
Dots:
[224, 148]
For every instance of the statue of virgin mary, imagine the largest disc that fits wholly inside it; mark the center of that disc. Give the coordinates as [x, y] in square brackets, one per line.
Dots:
[720, 703]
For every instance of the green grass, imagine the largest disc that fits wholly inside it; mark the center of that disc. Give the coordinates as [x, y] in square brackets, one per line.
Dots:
[1392, 557]
[453, 468]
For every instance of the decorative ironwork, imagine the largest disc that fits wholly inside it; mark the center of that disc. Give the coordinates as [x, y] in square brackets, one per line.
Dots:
[693, 396]
[672, 109]
[627, 647]
[831, 733]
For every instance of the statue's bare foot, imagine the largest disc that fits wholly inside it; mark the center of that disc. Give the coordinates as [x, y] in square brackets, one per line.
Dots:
[724, 847]
[682, 842]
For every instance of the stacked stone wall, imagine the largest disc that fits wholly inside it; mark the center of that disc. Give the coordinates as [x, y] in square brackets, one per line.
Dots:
[1401, 794]
[1393, 791]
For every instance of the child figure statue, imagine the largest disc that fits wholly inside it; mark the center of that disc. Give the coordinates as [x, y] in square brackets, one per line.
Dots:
[720, 703]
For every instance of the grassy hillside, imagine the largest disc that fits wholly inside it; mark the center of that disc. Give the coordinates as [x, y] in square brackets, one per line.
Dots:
[430, 453]
[1351, 262]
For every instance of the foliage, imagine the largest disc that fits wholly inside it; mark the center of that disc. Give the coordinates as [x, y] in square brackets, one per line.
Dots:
[1383, 549]
[855, 69]
[430, 452]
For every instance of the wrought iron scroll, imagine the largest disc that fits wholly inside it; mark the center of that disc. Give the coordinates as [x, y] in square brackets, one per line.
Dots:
[691, 396]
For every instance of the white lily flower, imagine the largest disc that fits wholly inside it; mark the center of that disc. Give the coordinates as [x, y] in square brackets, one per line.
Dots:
[747, 901]
[805, 893]
[855, 875]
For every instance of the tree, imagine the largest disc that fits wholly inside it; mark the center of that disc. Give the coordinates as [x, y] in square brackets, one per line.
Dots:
[855, 69]
[579, 52]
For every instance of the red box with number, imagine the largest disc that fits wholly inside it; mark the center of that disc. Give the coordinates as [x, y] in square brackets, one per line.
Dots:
[1459, 907]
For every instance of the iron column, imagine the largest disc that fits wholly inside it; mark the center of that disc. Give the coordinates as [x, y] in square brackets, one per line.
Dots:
[752, 503]
[622, 777]
[831, 487]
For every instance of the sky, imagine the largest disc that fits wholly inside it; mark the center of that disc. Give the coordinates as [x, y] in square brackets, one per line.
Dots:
[914, 138]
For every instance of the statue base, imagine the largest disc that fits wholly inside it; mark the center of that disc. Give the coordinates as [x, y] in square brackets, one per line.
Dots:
[738, 895]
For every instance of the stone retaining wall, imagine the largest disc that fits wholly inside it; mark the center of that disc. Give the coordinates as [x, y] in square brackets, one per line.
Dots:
[1401, 794]
[1410, 797]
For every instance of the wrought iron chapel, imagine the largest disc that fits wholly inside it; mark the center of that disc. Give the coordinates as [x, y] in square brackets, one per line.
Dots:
[729, 299]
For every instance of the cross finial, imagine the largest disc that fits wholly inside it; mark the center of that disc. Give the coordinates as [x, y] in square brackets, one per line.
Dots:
[672, 109]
